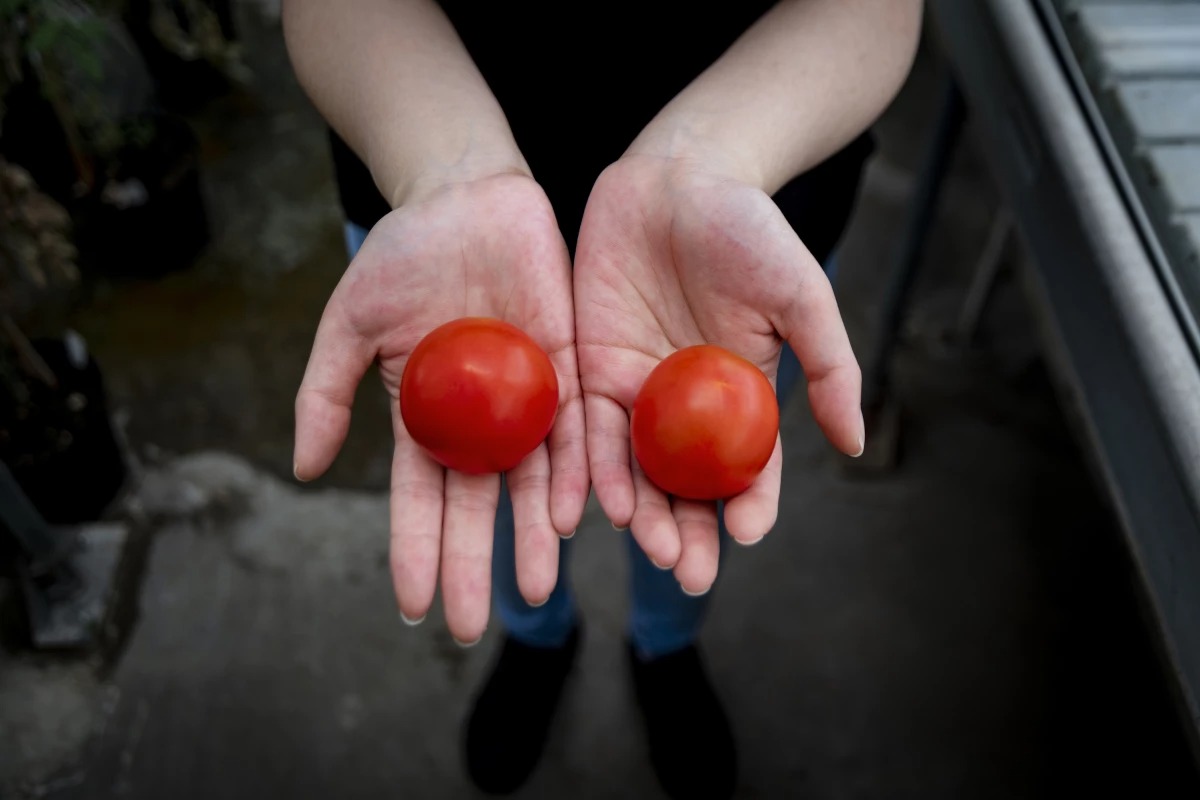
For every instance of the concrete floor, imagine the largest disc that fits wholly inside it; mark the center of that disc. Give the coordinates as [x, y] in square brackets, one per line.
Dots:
[964, 627]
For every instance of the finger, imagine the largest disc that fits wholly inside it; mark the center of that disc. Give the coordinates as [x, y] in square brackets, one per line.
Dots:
[569, 484]
[339, 358]
[608, 456]
[812, 325]
[751, 515]
[700, 546]
[536, 540]
[652, 524]
[416, 523]
[468, 526]
[548, 315]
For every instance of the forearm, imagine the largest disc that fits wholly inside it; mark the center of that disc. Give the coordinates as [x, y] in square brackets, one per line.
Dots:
[799, 84]
[395, 81]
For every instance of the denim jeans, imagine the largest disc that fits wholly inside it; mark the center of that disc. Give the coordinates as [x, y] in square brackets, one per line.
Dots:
[662, 618]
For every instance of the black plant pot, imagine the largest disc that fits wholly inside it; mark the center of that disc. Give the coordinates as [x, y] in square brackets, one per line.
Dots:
[148, 218]
[58, 441]
[145, 215]
[33, 138]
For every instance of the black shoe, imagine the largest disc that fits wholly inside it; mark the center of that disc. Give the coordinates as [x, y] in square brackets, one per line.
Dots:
[510, 721]
[691, 745]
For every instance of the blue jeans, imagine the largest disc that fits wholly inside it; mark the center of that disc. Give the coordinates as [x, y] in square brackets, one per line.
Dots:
[662, 618]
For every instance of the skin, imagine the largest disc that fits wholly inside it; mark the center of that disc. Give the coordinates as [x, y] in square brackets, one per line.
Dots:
[680, 244]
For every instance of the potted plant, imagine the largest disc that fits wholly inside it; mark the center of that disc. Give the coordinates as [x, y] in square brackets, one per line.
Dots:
[93, 177]
[55, 432]
[190, 47]
[86, 122]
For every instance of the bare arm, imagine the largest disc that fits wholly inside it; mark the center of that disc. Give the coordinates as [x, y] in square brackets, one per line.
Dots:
[395, 81]
[470, 234]
[681, 244]
[805, 79]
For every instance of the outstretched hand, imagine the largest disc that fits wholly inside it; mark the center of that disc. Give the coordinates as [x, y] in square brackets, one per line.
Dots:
[489, 248]
[672, 254]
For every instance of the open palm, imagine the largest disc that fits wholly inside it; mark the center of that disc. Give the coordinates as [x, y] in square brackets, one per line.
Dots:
[671, 256]
[487, 248]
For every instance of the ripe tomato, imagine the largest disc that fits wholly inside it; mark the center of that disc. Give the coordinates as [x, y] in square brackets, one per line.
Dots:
[478, 395]
[704, 423]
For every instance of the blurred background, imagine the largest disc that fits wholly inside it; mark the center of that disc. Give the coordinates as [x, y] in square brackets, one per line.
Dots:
[961, 618]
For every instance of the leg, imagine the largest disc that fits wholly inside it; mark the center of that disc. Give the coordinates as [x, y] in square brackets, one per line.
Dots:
[662, 618]
[691, 745]
[511, 716]
[354, 235]
[546, 626]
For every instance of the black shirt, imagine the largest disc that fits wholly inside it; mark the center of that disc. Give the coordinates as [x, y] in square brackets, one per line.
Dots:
[579, 82]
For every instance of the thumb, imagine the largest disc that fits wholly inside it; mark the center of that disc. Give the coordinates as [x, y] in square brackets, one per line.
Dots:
[339, 359]
[812, 325]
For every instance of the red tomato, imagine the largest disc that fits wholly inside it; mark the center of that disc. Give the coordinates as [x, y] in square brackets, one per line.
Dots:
[704, 423]
[478, 395]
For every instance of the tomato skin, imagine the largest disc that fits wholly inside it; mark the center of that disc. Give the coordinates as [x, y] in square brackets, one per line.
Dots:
[478, 394]
[704, 423]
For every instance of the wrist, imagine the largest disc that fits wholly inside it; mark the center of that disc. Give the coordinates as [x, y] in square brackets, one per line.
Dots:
[435, 169]
[697, 141]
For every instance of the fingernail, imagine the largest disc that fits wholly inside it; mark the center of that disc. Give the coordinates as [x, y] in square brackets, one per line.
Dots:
[296, 472]
[862, 434]
[540, 603]
[658, 565]
[695, 594]
[465, 645]
[570, 535]
[748, 542]
[411, 622]
[616, 527]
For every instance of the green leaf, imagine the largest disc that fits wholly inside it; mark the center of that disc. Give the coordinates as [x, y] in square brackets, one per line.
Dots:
[89, 63]
[10, 8]
[46, 33]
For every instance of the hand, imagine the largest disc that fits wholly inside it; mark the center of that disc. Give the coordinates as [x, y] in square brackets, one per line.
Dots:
[488, 247]
[673, 253]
